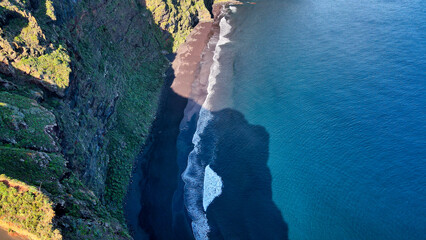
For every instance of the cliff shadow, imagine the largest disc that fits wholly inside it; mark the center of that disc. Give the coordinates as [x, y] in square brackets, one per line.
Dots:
[240, 153]
[150, 197]
[244, 210]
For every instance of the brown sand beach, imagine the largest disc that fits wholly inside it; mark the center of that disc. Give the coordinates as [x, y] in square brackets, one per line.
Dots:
[155, 179]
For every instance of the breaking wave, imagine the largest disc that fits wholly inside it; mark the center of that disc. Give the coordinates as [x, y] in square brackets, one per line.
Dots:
[202, 184]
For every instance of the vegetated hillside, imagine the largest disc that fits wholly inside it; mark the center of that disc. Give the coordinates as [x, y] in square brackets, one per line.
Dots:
[178, 17]
[79, 87]
[26, 210]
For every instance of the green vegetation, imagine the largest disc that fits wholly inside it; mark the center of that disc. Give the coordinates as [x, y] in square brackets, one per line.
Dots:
[123, 63]
[36, 168]
[53, 67]
[26, 210]
[133, 118]
[29, 43]
[46, 171]
[24, 123]
[178, 17]
[50, 10]
[83, 213]
[78, 149]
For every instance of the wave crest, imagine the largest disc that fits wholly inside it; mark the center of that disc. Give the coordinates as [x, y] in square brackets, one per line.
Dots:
[202, 184]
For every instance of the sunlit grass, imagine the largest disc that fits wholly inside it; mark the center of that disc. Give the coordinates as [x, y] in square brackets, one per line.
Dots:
[25, 210]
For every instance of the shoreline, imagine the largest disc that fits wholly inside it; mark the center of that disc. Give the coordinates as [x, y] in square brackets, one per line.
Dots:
[152, 189]
[198, 113]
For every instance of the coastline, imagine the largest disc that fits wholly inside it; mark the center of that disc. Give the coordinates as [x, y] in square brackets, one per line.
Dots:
[251, 156]
[193, 157]
[153, 187]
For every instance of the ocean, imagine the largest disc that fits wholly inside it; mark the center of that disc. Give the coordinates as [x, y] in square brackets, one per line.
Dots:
[314, 126]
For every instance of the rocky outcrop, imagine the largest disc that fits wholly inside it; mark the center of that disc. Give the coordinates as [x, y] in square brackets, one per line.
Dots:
[30, 47]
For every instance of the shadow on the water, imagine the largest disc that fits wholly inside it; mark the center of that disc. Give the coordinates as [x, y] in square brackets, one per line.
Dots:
[244, 210]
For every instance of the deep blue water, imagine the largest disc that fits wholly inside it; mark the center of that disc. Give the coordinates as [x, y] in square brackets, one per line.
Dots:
[340, 87]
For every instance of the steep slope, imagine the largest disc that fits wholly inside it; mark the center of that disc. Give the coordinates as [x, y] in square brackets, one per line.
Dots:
[178, 17]
[79, 88]
[33, 217]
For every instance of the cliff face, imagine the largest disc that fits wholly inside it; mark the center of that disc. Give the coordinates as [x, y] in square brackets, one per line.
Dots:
[79, 86]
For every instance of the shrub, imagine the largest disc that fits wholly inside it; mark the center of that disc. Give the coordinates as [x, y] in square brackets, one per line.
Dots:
[52, 67]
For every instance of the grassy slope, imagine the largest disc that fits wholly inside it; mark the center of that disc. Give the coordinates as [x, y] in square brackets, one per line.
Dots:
[114, 102]
[105, 67]
[26, 210]
[23, 121]
[178, 18]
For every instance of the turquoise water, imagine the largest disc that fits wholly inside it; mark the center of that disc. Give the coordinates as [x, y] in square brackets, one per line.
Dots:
[340, 87]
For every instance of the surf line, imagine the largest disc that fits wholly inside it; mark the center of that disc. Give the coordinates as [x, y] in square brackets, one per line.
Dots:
[201, 183]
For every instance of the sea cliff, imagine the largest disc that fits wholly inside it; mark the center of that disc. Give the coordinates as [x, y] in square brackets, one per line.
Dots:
[79, 89]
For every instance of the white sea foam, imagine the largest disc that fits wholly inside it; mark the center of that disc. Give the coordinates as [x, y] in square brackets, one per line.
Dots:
[233, 9]
[202, 184]
[212, 186]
